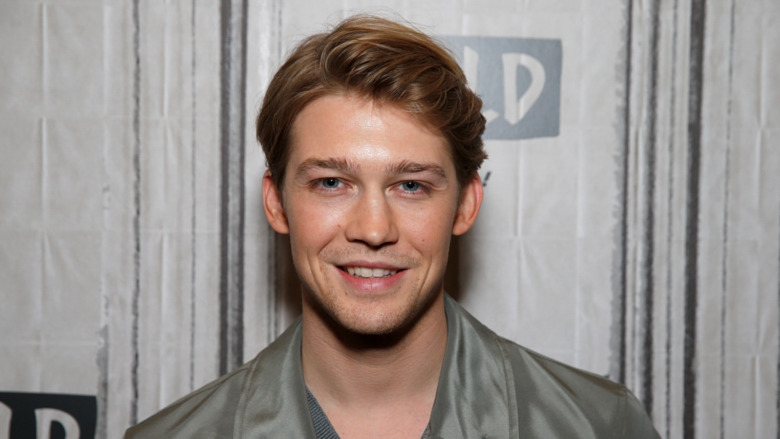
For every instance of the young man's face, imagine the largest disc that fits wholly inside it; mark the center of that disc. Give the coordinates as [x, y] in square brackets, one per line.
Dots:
[370, 201]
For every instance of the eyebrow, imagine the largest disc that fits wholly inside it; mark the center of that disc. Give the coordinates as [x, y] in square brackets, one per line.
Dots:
[349, 167]
[409, 167]
[336, 164]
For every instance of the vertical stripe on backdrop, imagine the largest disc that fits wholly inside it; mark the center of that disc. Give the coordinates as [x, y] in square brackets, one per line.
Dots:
[101, 429]
[725, 236]
[617, 366]
[233, 22]
[193, 189]
[668, 256]
[137, 204]
[777, 400]
[104, 343]
[698, 9]
[648, 234]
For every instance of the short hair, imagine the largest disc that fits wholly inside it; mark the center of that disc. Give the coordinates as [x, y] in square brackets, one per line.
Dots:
[384, 61]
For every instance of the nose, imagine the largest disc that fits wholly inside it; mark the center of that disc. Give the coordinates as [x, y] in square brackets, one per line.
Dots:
[372, 221]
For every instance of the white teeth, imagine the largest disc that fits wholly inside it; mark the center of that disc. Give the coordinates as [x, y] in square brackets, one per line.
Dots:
[369, 272]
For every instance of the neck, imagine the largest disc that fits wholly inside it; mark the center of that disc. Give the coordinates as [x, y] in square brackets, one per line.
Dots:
[346, 369]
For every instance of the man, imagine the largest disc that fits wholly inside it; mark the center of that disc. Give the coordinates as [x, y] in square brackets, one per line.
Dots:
[373, 141]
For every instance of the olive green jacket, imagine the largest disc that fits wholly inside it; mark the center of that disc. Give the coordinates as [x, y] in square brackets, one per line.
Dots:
[489, 388]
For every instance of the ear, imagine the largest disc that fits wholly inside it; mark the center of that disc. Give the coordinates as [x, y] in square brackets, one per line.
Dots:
[272, 203]
[468, 206]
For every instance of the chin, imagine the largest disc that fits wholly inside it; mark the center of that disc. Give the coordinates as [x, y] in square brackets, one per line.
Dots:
[371, 321]
[376, 318]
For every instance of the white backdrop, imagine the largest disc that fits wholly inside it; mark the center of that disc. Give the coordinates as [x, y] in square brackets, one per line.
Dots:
[641, 241]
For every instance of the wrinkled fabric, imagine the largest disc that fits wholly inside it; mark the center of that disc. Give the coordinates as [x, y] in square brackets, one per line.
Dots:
[489, 387]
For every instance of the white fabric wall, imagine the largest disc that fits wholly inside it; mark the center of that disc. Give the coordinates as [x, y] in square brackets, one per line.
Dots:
[642, 241]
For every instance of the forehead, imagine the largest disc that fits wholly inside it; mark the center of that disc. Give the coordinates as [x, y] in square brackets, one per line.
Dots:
[364, 132]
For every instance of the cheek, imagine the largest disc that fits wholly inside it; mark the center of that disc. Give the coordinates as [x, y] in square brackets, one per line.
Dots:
[429, 231]
[314, 225]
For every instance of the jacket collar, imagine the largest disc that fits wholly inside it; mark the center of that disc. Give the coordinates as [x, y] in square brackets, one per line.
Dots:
[475, 395]
[273, 398]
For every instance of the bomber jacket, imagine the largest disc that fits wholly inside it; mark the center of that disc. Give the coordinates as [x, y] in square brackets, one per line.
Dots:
[489, 387]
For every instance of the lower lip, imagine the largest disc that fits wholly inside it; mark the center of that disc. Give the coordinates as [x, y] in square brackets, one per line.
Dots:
[372, 284]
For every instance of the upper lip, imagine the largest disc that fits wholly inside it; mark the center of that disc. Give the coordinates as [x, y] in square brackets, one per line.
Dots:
[368, 264]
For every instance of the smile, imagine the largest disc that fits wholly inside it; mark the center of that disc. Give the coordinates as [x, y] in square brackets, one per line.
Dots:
[366, 272]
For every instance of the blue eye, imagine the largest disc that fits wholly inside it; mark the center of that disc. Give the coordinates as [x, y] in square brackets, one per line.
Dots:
[411, 186]
[330, 183]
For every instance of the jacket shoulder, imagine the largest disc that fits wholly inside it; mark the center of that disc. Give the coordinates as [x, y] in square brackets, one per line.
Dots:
[547, 398]
[219, 409]
[208, 412]
[575, 399]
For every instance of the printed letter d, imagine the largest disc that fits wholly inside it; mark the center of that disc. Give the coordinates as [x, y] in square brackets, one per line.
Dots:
[45, 417]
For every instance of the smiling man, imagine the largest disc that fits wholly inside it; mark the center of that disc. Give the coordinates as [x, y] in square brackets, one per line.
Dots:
[373, 142]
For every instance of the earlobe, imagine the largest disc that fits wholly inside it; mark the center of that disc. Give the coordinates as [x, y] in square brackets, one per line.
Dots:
[272, 203]
[468, 206]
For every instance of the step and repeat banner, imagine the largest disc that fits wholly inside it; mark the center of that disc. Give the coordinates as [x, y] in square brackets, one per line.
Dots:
[630, 227]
